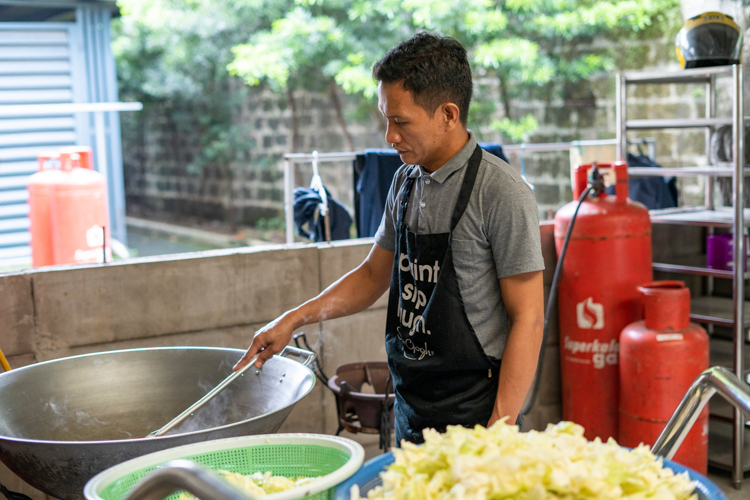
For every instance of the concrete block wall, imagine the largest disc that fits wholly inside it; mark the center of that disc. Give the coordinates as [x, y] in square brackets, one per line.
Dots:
[155, 153]
[157, 156]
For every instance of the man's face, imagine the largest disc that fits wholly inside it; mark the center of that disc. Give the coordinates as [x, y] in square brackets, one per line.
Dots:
[411, 130]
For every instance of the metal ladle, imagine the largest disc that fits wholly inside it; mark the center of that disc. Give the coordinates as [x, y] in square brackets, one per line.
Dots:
[202, 401]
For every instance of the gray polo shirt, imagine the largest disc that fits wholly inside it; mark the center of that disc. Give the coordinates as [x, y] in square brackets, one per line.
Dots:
[497, 236]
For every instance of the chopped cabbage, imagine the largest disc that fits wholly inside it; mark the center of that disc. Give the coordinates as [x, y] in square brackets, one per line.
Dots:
[257, 484]
[503, 463]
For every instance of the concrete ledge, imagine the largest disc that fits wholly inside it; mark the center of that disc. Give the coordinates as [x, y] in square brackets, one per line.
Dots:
[16, 315]
[188, 233]
[114, 303]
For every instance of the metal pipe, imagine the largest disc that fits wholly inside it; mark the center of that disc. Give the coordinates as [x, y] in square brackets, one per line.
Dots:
[183, 475]
[64, 109]
[663, 123]
[710, 110]
[619, 116]
[714, 380]
[289, 200]
[307, 157]
[530, 147]
[738, 152]
[693, 75]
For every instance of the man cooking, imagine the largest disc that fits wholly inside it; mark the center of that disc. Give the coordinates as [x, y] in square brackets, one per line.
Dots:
[458, 248]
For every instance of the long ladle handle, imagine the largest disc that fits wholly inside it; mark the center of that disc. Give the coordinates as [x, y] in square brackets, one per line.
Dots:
[205, 399]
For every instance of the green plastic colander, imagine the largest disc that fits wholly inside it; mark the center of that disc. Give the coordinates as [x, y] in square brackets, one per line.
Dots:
[330, 458]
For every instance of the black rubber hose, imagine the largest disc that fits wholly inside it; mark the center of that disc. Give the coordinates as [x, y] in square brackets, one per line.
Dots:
[10, 495]
[551, 303]
[318, 366]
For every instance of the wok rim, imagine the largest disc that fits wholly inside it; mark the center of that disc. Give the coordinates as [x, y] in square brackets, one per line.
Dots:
[155, 438]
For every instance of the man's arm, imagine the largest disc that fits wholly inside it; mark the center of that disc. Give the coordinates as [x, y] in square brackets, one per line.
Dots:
[523, 296]
[354, 292]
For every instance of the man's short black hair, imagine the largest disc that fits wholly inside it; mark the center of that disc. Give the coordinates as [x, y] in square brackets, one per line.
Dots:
[434, 68]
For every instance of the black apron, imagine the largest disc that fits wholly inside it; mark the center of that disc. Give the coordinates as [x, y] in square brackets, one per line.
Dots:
[441, 375]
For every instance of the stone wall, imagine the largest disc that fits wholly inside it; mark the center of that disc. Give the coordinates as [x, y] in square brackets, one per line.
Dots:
[156, 153]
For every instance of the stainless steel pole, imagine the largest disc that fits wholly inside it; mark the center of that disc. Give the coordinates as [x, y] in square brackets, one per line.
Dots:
[738, 153]
[715, 379]
[709, 180]
[621, 146]
[710, 110]
[289, 200]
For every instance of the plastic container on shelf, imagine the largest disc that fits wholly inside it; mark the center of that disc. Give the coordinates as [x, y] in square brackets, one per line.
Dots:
[720, 251]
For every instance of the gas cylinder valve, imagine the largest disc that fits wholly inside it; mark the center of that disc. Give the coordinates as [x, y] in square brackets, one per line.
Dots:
[596, 181]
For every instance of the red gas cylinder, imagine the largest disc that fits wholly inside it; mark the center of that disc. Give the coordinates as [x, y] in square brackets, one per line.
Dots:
[80, 222]
[609, 255]
[659, 359]
[40, 187]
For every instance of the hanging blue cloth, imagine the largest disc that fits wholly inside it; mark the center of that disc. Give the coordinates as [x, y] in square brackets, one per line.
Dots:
[306, 203]
[495, 149]
[373, 174]
[654, 192]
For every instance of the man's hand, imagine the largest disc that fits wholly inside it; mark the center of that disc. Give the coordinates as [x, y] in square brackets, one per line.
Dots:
[355, 292]
[267, 341]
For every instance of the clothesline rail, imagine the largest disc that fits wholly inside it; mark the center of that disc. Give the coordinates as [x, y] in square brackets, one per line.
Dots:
[292, 159]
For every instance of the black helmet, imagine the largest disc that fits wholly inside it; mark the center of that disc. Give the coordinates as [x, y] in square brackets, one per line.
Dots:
[709, 39]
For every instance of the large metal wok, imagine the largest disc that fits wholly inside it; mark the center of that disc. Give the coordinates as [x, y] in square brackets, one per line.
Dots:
[64, 421]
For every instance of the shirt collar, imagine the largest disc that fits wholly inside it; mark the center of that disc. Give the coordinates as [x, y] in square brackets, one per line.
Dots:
[459, 161]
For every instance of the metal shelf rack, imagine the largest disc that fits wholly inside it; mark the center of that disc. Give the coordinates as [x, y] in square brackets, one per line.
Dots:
[711, 310]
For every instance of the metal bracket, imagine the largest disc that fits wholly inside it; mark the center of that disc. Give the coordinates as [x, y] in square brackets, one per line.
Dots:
[290, 351]
[183, 475]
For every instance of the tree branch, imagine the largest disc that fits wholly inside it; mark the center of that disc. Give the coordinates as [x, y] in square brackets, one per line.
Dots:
[332, 91]
[505, 96]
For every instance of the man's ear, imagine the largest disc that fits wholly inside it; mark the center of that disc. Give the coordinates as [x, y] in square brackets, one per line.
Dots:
[451, 115]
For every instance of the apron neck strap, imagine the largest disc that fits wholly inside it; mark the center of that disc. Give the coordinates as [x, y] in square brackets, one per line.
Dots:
[466, 187]
[404, 200]
[463, 196]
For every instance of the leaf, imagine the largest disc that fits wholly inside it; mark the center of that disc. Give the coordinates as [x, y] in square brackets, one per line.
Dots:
[517, 131]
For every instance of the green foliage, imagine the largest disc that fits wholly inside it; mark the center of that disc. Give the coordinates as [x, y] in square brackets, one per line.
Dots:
[295, 45]
[519, 130]
[177, 53]
[524, 44]
[173, 54]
